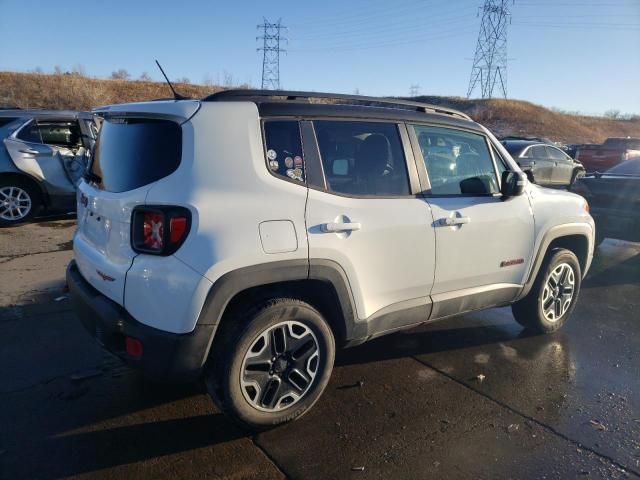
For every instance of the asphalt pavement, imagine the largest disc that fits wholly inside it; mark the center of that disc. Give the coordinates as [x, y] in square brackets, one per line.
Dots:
[470, 397]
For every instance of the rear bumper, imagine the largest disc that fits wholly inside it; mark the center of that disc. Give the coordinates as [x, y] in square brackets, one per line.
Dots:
[165, 356]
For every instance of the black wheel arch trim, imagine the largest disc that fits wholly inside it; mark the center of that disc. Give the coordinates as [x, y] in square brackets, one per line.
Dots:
[237, 281]
[555, 233]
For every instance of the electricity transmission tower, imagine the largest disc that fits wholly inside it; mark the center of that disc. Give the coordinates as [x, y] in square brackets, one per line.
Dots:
[270, 49]
[414, 90]
[490, 61]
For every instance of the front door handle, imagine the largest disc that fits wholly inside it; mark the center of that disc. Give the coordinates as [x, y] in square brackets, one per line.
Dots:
[453, 221]
[340, 227]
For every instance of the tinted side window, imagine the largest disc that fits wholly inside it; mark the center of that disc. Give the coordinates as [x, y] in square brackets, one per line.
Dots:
[556, 154]
[457, 162]
[30, 133]
[362, 158]
[59, 133]
[539, 151]
[284, 149]
[501, 163]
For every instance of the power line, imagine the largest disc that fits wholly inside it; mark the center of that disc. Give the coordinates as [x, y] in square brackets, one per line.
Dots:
[270, 49]
[346, 46]
[490, 60]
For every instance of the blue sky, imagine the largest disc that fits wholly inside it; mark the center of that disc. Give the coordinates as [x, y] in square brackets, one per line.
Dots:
[571, 54]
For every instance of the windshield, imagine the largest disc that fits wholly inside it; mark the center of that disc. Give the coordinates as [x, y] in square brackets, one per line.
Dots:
[131, 153]
[630, 167]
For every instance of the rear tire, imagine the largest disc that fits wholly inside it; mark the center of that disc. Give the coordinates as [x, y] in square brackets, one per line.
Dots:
[554, 293]
[19, 201]
[261, 393]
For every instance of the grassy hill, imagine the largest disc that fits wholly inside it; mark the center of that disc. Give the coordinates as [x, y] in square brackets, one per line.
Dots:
[503, 117]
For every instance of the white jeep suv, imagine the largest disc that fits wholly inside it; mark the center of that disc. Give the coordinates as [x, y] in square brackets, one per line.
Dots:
[241, 237]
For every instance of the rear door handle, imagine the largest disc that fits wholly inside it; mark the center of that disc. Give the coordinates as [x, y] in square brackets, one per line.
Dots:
[452, 222]
[29, 151]
[340, 227]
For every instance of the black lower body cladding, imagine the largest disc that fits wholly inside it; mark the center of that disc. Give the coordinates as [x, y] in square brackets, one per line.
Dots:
[165, 356]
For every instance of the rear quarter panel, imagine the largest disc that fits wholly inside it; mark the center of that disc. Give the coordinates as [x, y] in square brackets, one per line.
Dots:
[224, 181]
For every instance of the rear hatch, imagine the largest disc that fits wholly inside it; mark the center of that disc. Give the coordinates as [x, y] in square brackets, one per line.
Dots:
[599, 158]
[138, 144]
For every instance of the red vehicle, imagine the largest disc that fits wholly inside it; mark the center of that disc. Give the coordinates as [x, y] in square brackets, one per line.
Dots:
[613, 151]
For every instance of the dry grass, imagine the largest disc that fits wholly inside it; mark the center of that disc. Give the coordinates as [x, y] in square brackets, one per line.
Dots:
[76, 92]
[517, 117]
[503, 117]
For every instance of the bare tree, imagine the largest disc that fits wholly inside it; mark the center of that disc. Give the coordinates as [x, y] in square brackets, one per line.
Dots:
[120, 74]
[207, 80]
[145, 77]
[614, 114]
[183, 80]
[78, 69]
[57, 70]
[228, 79]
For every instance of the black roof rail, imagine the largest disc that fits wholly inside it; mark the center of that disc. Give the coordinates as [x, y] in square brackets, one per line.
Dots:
[275, 95]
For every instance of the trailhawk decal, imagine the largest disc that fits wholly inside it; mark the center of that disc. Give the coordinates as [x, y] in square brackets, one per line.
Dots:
[509, 263]
[105, 277]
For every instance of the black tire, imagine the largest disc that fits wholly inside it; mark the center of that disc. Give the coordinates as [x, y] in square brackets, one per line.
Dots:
[224, 375]
[577, 175]
[599, 237]
[30, 190]
[530, 312]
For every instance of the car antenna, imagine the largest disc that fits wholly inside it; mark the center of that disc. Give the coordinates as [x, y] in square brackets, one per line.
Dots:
[176, 95]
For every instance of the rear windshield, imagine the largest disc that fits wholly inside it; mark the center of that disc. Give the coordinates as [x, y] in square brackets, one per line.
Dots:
[131, 153]
[6, 120]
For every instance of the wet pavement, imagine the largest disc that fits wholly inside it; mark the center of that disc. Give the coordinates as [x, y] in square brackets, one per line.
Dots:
[469, 397]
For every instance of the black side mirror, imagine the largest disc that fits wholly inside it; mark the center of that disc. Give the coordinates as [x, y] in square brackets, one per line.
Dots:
[512, 183]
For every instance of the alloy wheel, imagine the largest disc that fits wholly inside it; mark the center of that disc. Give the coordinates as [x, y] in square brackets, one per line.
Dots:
[558, 292]
[280, 366]
[15, 203]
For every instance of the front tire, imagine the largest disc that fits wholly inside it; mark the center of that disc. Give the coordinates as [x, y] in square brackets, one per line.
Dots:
[577, 175]
[276, 361]
[19, 202]
[554, 293]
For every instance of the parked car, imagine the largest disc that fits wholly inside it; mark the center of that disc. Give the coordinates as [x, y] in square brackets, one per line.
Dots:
[614, 198]
[43, 155]
[598, 158]
[547, 165]
[572, 148]
[262, 229]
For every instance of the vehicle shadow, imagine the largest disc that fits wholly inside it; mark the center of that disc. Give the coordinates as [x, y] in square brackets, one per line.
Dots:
[625, 272]
[107, 423]
[435, 337]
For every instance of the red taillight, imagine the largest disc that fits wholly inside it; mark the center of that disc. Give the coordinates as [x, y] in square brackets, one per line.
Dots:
[177, 228]
[133, 346]
[159, 230]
